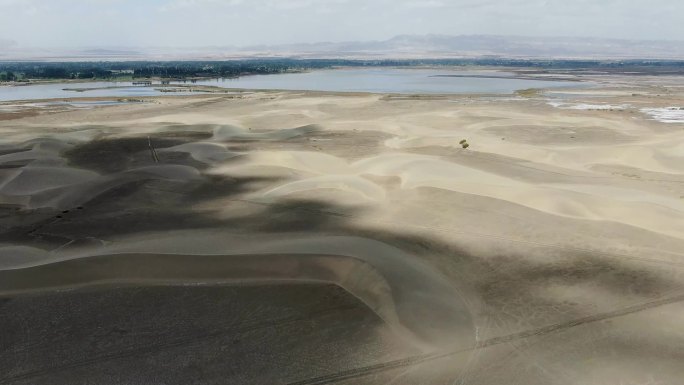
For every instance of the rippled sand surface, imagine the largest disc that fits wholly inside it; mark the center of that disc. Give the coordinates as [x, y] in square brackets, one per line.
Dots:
[313, 238]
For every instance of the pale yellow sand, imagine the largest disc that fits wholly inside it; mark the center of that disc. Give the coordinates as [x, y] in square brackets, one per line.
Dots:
[552, 221]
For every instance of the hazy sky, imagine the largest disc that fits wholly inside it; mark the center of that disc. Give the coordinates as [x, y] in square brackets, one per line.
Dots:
[135, 23]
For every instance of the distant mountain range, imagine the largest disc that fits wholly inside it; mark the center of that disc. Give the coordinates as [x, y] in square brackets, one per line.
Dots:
[486, 45]
[399, 47]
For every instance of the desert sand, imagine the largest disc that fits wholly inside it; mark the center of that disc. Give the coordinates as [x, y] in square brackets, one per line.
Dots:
[312, 238]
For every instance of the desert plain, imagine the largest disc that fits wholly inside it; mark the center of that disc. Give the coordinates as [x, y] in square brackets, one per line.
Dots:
[271, 237]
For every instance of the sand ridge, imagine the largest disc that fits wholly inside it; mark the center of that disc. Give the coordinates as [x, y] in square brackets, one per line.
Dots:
[553, 239]
[410, 297]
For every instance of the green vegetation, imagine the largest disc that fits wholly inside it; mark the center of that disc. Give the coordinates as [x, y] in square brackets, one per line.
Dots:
[529, 93]
[8, 76]
[14, 71]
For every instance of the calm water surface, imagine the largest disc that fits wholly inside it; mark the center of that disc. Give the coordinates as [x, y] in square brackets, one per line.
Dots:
[379, 80]
[59, 91]
[382, 80]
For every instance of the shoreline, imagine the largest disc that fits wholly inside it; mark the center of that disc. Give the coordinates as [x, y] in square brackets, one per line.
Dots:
[510, 70]
[361, 224]
[185, 88]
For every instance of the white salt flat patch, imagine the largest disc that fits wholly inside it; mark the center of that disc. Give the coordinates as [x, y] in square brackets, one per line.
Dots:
[666, 115]
[10, 108]
[588, 107]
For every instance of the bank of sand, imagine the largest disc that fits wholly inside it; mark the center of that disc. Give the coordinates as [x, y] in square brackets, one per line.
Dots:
[550, 251]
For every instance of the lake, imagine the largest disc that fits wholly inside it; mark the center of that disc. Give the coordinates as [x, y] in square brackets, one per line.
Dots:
[401, 81]
[57, 91]
[376, 80]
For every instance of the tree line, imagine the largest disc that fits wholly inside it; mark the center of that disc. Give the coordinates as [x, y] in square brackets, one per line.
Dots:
[18, 71]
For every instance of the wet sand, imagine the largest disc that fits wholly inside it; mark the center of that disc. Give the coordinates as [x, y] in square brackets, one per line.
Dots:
[310, 238]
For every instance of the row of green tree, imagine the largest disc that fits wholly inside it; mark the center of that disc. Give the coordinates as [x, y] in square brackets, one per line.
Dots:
[8, 76]
[12, 71]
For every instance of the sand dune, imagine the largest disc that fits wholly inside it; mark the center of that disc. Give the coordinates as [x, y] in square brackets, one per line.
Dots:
[12, 256]
[65, 188]
[592, 202]
[408, 295]
[226, 132]
[313, 162]
[511, 259]
[33, 180]
[352, 184]
[206, 152]
[30, 156]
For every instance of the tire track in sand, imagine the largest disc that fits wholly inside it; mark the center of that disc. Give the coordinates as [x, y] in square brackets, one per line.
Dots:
[419, 359]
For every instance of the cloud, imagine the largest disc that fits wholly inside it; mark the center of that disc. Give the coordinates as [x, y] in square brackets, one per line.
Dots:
[47, 23]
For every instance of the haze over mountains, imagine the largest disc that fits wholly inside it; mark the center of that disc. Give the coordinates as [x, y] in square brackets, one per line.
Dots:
[403, 46]
[486, 45]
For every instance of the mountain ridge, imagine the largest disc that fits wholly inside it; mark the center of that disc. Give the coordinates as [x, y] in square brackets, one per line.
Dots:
[398, 47]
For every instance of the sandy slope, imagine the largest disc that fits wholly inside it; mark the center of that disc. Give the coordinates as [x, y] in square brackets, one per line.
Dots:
[557, 237]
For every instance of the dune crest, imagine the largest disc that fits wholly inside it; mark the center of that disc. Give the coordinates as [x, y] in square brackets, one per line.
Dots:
[416, 301]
